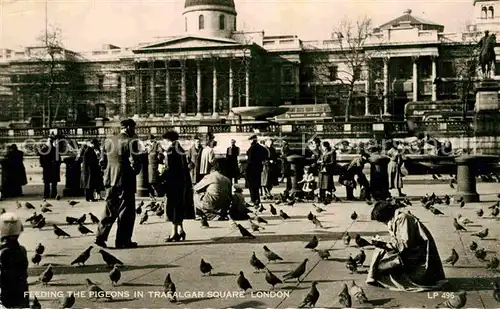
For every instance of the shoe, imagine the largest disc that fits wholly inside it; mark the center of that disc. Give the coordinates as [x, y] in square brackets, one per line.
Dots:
[130, 245]
[174, 238]
[182, 236]
[100, 243]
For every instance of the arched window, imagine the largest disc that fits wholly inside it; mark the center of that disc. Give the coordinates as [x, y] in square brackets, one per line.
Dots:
[484, 12]
[201, 22]
[491, 12]
[222, 22]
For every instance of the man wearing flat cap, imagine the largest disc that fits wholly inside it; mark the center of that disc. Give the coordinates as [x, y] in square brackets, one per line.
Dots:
[256, 155]
[121, 165]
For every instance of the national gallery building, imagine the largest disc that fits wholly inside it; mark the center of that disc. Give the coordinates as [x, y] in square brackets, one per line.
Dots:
[213, 67]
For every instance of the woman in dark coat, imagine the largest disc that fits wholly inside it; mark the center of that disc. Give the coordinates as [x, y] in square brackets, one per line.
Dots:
[90, 177]
[178, 187]
[272, 167]
[13, 172]
[326, 165]
[155, 156]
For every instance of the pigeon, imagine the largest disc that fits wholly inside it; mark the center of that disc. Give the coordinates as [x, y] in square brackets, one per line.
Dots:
[351, 265]
[109, 259]
[344, 298]
[496, 205]
[58, 197]
[480, 212]
[261, 220]
[71, 220]
[36, 259]
[261, 208]
[297, 272]
[361, 242]
[67, 301]
[311, 297]
[34, 218]
[347, 239]
[481, 234]
[358, 293]
[272, 209]
[284, 215]
[354, 216]
[205, 268]
[47, 275]
[244, 232]
[473, 246]
[495, 212]
[453, 258]
[60, 232]
[82, 219]
[270, 255]
[40, 249]
[83, 257]
[310, 216]
[115, 275]
[138, 210]
[45, 209]
[452, 185]
[73, 203]
[360, 258]
[254, 227]
[324, 254]
[458, 226]
[144, 218]
[435, 211]
[496, 291]
[96, 291]
[256, 263]
[458, 301]
[243, 282]
[316, 222]
[290, 203]
[169, 288]
[272, 279]
[40, 224]
[204, 222]
[493, 263]
[160, 212]
[93, 218]
[84, 230]
[480, 254]
[35, 304]
[28, 205]
[318, 209]
[313, 243]
[462, 204]
[447, 199]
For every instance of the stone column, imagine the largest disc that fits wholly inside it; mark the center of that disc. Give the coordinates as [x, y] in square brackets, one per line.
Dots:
[415, 78]
[367, 89]
[231, 86]
[297, 167]
[182, 106]
[152, 89]
[167, 87]
[466, 178]
[137, 91]
[198, 89]
[433, 77]
[123, 93]
[386, 85]
[297, 84]
[247, 85]
[214, 99]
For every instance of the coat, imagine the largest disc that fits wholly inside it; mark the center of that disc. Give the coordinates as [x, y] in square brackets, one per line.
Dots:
[216, 191]
[155, 156]
[256, 155]
[394, 169]
[13, 275]
[327, 163]
[50, 161]
[285, 165]
[269, 170]
[178, 186]
[90, 175]
[194, 163]
[414, 264]
[206, 160]
[232, 168]
[13, 170]
[120, 161]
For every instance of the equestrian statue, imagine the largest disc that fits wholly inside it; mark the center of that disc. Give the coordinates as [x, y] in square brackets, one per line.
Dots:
[487, 55]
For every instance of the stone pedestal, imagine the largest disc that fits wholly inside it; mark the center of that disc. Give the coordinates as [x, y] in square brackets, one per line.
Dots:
[142, 177]
[467, 170]
[487, 96]
[379, 178]
[487, 111]
[297, 172]
[73, 171]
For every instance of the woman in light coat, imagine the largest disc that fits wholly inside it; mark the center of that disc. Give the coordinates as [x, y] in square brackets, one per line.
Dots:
[394, 169]
[207, 158]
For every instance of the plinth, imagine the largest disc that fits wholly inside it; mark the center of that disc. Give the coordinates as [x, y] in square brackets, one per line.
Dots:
[487, 96]
[467, 168]
[73, 174]
[142, 177]
[379, 178]
[297, 173]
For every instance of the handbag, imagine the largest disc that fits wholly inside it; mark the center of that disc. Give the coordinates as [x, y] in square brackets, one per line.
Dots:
[404, 171]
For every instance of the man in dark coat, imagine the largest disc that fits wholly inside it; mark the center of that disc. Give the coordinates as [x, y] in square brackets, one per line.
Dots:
[286, 172]
[90, 179]
[121, 163]
[50, 161]
[256, 155]
[155, 157]
[194, 158]
[232, 168]
[13, 172]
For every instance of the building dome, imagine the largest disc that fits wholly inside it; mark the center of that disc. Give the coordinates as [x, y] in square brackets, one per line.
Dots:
[213, 18]
[228, 3]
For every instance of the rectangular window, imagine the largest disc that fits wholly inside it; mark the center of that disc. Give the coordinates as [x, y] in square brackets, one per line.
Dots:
[100, 81]
[356, 73]
[333, 72]
[448, 69]
[288, 74]
[119, 82]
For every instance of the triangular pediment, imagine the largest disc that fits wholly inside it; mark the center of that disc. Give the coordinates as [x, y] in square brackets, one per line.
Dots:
[187, 42]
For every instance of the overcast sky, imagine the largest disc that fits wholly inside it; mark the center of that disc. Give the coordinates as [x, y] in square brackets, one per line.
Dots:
[87, 24]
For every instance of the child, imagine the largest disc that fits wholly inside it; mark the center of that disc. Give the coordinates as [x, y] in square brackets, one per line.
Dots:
[238, 210]
[308, 183]
[13, 264]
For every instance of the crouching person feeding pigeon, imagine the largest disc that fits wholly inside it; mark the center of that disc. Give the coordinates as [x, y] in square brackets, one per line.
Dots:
[410, 260]
[212, 195]
[13, 264]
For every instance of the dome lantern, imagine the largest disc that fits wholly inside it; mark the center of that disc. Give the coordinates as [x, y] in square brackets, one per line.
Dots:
[212, 18]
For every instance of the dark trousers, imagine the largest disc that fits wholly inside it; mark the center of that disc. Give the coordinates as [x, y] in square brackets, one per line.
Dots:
[89, 194]
[49, 189]
[120, 204]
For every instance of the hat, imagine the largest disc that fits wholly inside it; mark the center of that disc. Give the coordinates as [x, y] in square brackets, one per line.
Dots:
[237, 188]
[10, 225]
[171, 136]
[127, 123]
[95, 141]
[252, 137]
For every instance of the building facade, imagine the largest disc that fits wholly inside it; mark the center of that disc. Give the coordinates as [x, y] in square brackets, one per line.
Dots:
[213, 67]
